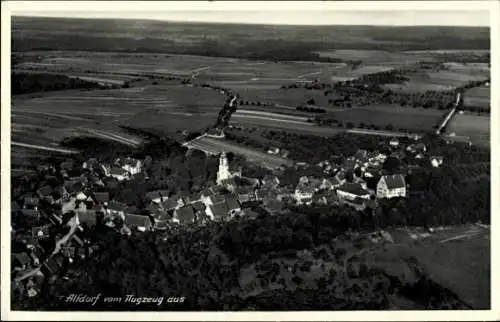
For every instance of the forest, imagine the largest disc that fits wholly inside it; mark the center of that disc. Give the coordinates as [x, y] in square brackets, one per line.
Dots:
[23, 83]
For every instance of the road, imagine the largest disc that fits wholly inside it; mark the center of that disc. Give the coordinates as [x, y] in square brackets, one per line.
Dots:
[45, 148]
[449, 116]
[110, 136]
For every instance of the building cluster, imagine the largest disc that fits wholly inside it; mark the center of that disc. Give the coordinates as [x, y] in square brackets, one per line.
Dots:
[361, 179]
[54, 217]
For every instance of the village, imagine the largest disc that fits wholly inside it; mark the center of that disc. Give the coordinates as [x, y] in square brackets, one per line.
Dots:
[72, 201]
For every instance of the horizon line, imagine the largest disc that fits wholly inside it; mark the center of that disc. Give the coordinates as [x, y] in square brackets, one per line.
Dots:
[240, 23]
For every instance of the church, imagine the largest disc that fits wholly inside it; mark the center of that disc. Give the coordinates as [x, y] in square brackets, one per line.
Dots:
[224, 174]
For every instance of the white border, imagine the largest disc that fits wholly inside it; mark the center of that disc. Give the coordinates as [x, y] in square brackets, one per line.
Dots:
[18, 7]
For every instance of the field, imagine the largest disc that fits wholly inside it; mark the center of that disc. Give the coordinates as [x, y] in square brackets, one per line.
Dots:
[474, 126]
[478, 97]
[455, 75]
[411, 119]
[46, 119]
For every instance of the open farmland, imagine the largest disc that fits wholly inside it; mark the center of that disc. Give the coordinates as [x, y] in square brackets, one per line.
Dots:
[46, 119]
[454, 75]
[412, 119]
[478, 97]
[476, 127]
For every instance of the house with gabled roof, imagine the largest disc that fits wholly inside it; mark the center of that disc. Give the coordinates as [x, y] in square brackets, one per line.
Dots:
[351, 191]
[101, 198]
[184, 215]
[53, 265]
[218, 211]
[157, 196]
[245, 194]
[139, 222]
[390, 186]
[233, 206]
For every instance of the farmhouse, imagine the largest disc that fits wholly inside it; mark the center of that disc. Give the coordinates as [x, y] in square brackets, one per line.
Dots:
[391, 186]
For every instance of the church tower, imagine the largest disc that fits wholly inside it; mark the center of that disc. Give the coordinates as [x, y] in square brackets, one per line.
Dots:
[223, 173]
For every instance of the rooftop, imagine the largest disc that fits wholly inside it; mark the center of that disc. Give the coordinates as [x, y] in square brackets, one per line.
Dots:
[394, 181]
[353, 188]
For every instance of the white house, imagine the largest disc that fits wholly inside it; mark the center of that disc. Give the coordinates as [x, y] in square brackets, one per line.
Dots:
[391, 186]
[304, 195]
[436, 161]
[132, 166]
[394, 143]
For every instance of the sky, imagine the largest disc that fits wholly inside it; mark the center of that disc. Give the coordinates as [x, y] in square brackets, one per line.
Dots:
[296, 13]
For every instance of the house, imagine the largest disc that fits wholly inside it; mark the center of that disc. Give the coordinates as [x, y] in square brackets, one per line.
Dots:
[245, 194]
[101, 198]
[73, 185]
[394, 143]
[41, 232]
[141, 223]
[88, 217]
[53, 265]
[20, 261]
[45, 192]
[390, 186]
[184, 215]
[326, 184]
[304, 194]
[172, 204]
[31, 213]
[157, 196]
[115, 208]
[436, 161]
[350, 191]
[31, 202]
[270, 182]
[131, 165]
[218, 211]
[198, 206]
[233, 206]
[119, 174]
